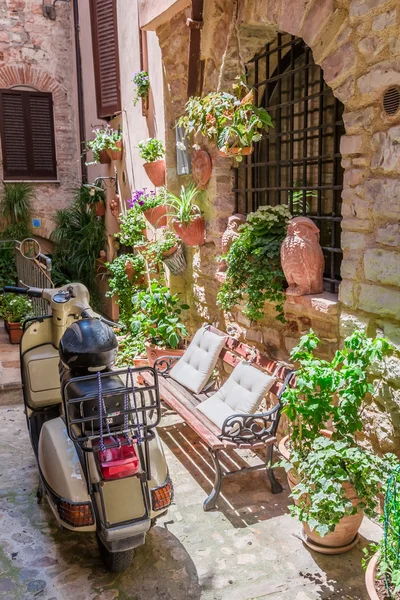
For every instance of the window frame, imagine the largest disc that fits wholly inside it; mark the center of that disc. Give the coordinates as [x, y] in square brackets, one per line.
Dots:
[30, 174]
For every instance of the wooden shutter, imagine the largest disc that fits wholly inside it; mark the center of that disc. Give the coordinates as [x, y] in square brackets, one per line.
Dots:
[105, 57]
[27, 135]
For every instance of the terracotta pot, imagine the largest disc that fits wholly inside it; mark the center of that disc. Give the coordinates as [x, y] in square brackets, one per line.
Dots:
[235, 151]
[104, 159]
[370, 577]
[154, 352]
[157, 216]
[15, 332]
[193, 233]
[116, 154]
[100, 209]
[345, 534]
[170, 252]
[156, 172]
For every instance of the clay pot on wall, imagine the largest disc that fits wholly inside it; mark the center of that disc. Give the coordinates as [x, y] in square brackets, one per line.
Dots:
[157, 216]
[370, 578]
[104, 159]
[345, 535]
[100, 209]
[156, 172]
[235, 151]
[116, 154]
[14, 332]
[193, 233]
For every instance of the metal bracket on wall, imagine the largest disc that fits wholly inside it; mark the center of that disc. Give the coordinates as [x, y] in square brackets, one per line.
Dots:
[112, 181]
[49, 10]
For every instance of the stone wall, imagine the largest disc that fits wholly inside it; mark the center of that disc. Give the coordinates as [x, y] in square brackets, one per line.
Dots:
[356, 44]
[39, 53]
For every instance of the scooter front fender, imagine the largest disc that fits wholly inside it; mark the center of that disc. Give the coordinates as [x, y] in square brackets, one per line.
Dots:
[61, 469]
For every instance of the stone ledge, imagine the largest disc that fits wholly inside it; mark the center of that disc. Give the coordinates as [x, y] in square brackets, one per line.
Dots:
[325, 303]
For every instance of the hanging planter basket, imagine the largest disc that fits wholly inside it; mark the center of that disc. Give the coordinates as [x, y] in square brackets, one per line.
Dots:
[116, 154]
[236, 151]
[193, 233]
[156, 172]
[157, 217]
[104, 159]
[176, 262]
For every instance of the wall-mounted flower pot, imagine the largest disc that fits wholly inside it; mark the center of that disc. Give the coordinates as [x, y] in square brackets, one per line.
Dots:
[104, 159]
[175, 262]
[100, 209]
[154, 352]
[345, 535]
[193, 233]
[157, 216]
[235, 151]
[15, 332]
[116, 154]
[170, 251]
[156, 172]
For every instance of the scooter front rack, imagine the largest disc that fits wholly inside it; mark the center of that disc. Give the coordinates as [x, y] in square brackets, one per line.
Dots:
[129, 406]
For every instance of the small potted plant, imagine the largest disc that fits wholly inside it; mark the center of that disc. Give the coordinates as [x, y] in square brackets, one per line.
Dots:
[106, 146]
[142, 83]
[92, 196]
[152, 152]
[187, 221]
[115, 144]
[334, 481]
[14, 310]
[157, 316]
[152, 204]
[231, 121]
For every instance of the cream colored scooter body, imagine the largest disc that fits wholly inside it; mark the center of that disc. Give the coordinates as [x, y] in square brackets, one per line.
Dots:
[59, 464]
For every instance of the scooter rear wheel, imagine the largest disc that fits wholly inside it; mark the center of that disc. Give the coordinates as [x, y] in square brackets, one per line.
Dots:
[116, 562]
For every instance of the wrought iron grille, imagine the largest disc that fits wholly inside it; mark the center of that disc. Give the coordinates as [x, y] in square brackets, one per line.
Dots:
[298, 162]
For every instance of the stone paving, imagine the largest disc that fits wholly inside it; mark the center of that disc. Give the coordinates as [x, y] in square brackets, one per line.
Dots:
[247, 550]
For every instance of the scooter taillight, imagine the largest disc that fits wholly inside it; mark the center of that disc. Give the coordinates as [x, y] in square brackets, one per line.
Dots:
[117, 463]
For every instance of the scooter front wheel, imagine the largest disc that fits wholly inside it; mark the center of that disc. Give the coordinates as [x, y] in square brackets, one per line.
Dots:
[116, 562]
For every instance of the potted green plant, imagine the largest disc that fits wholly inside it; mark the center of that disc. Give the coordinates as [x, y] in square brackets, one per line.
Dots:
[142, 83]
[187, 220]
[254, 274]
[231, 121]
[14, 310]
[157, 316]
[106, 145]
[92, 196]
[115, 144]
[152, 152]
[334, 481]
[131, 351]
[152, 204]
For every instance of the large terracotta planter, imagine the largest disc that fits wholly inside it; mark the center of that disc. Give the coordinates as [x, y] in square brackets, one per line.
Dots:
[104, 159]
[154, 352]
[156, 172]
[370, 578]
[116, 154]
[193, 233]
[14, 332]
[345, 535]
[157, 216]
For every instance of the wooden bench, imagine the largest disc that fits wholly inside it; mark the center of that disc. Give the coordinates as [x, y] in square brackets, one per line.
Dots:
[238, 431]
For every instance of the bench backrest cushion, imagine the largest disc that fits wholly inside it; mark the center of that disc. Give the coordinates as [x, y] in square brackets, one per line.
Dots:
[242, 392]
[195, 367]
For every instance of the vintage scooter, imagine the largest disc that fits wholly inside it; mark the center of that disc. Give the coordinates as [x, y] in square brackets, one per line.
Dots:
[93, 429]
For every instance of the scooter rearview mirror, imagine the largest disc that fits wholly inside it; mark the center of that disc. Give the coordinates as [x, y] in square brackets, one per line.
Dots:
[30, 248]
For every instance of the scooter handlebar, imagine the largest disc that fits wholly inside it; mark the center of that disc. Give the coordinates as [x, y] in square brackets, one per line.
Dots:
[12, 289]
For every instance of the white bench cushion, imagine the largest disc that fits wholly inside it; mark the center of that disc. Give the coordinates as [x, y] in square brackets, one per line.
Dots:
[195, 367]
[241, 393]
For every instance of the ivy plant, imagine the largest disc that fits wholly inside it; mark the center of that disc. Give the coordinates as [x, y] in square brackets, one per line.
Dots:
[129, 348]
[132, 228]
[142, 83]
[331, 394]
[157, 315]
[121, 287]
[254, 274]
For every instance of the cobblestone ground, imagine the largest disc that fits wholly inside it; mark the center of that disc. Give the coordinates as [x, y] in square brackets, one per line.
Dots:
[248, 550]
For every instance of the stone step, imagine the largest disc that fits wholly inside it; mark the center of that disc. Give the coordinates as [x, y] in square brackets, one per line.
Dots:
[10, 376]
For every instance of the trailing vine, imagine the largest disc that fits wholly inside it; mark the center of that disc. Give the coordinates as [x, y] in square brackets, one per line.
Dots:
[254, 274]
[121, 286]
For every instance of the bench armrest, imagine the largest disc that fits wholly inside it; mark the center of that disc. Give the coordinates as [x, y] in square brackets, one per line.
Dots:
[164, 364]
[251, 429]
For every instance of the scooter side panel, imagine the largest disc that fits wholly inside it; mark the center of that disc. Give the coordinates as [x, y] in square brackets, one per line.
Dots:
[60, 466]
[41, 376]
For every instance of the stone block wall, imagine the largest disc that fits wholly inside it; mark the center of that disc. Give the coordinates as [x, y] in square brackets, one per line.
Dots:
[356, 42]
[39, 53]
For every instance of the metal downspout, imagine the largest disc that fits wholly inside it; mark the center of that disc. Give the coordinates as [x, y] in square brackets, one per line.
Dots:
[81, 112]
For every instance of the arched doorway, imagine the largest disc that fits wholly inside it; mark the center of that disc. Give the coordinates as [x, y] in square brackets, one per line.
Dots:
[298, 162]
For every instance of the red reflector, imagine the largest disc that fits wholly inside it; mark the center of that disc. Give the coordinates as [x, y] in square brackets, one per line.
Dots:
[117, 463]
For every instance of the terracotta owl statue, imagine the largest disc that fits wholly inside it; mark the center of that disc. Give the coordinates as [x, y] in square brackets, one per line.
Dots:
[229, 236]
[302, 258]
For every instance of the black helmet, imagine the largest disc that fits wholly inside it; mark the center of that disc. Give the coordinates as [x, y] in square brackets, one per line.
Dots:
[88, 345]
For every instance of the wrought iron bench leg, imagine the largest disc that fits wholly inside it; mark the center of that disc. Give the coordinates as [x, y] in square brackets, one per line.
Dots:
[276, 487]
[210, 502]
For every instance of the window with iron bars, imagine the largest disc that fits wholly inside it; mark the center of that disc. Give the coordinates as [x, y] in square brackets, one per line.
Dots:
[298, 162]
